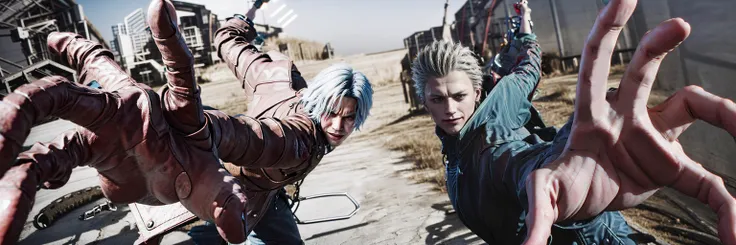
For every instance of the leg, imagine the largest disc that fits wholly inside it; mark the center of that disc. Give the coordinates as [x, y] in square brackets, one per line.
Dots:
[278, 226]
[205, 234]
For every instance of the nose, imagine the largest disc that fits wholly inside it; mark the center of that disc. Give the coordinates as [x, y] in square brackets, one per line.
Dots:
[337, 124]
[451, 107]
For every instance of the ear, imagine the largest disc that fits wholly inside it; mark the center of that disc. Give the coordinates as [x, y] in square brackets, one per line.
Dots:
[477, 95]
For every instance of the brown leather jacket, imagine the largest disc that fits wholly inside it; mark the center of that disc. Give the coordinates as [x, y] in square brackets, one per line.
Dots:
[272, 86]
[265, 150]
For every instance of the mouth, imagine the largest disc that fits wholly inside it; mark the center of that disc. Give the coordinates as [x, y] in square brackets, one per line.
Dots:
[335, 136]
[452, 121]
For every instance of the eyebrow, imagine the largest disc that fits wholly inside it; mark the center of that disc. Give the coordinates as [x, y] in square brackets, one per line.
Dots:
[459, 93]
[451, 95]
[346, 115]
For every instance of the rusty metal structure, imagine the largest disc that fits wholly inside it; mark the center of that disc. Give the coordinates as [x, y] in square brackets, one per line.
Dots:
[199, 31]
[24, 26]
[414, 43]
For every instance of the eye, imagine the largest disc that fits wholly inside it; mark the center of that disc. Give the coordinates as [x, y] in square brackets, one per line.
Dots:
[436, 100]
[459, 97]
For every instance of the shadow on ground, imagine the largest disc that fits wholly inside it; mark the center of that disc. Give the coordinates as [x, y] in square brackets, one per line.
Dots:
[70, 230]
[438, 232]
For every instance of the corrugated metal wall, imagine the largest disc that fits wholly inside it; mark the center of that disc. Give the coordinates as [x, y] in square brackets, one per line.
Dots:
[707, 59]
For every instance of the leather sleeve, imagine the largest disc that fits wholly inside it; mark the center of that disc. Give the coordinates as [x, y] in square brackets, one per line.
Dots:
[53, 161]
[53, 96]
[266, 142]
[233, 47]
[183, 105]
[89, 59]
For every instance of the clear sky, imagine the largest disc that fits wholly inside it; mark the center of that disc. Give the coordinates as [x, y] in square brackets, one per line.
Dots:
[351, 26]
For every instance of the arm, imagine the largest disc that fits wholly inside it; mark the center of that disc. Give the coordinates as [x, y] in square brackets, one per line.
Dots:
[267, 142]
[508, 100]
[233, 47]
[252, 13]
[527, 73]
[526, 18]
[181, 95]
[256, 5]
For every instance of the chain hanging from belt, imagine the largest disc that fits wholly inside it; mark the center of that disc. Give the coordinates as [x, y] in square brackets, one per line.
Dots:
[67, 203]
[295, 199]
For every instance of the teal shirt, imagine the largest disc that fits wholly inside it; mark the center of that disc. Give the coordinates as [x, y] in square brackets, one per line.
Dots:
[488, 161]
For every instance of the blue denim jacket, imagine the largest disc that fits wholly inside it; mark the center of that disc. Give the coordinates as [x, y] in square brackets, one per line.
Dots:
[488, 161]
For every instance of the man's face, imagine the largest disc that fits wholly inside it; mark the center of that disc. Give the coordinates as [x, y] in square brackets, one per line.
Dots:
[339, 122]
[451, 100]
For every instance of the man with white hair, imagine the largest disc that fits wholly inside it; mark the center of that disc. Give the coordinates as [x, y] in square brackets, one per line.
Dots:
[510, 187]
[488, 149]
[338, 99]
[155, 149]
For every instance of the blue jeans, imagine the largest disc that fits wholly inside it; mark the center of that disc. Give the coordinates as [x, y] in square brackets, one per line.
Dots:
[276, 227]
[607, 228]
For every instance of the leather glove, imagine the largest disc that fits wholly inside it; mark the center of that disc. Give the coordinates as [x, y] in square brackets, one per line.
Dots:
[147, 147]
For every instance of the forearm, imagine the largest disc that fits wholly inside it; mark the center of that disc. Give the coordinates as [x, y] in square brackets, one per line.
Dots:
[53, 162]
[251, 13]
[263, 143]
[233, 46]
[527, 73]
[181, 95]
[526, 26]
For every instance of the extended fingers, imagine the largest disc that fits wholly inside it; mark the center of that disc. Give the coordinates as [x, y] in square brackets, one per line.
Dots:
[542, 191]
[642, 71]
[218, 197]
[54, 161]
[90, 59]
[17, 191]
[691, 103]
[49, 96]
[182, 102]
[596, 57]
[697, 182]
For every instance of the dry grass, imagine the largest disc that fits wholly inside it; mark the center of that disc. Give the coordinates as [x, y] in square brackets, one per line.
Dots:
[618, 69]
[385, 75]
[217, 73]
[414, 136]
[422, 147]
[299, 49]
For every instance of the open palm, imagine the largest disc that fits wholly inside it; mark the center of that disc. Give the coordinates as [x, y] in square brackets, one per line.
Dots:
[619, 151]
[148, 147]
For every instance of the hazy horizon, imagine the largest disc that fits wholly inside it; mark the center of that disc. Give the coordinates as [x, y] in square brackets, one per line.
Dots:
[352, 27]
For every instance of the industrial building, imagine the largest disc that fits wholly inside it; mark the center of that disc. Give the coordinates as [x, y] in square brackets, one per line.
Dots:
[561, 28]
[24, 27]
[137, 53]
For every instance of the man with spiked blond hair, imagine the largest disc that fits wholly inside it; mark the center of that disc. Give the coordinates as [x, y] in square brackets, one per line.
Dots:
[510, 187]
[488, 150]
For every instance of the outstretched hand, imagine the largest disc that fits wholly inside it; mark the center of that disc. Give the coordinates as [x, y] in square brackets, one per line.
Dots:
[619, 151]
[147, 147]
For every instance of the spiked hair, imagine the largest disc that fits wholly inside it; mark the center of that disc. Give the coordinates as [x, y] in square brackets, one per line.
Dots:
[331, 85]
[439, 59]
